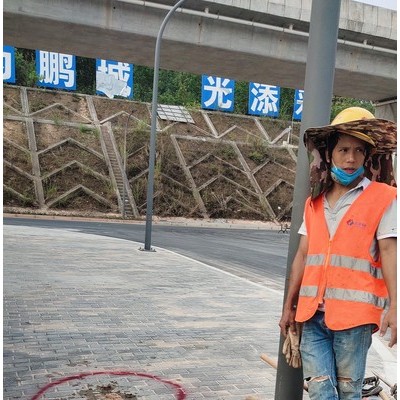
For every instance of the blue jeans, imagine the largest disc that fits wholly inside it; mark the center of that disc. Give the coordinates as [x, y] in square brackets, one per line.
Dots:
[334, 361]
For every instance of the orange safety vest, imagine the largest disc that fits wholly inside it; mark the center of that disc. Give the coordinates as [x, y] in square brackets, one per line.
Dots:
[340, 271]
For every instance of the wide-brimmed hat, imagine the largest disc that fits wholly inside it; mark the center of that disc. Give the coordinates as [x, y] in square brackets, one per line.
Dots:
[360, 123]
[380, 134]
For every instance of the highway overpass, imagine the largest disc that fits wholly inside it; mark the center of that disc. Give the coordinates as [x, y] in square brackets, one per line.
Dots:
[251, 40]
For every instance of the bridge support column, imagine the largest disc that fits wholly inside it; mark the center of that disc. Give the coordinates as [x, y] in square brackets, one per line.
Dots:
[386, 109]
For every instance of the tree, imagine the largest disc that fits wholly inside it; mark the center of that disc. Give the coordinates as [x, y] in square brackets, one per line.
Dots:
[287, 102]
[25, 68]
[241, 97]
[86, 75]
[340, 103]
[143, 84]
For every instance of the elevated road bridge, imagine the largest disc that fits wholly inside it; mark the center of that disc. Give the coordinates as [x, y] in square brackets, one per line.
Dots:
[251, 40]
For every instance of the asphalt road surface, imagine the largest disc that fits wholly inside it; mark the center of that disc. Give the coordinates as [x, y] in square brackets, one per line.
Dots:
[257, 255]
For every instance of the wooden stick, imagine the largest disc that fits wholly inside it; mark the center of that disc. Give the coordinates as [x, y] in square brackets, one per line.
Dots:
[383, 379]
[274, 364]
[384, 396]
[269, 360]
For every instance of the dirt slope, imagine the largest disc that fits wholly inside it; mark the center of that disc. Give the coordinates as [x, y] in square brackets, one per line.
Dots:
[56, 159]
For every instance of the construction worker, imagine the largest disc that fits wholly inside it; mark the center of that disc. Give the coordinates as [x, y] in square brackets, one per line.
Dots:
[344, 273]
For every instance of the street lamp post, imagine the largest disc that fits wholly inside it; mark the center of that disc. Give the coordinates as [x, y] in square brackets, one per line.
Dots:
[152, 155]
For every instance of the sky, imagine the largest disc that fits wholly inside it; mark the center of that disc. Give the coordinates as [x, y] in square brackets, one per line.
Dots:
[391, 4]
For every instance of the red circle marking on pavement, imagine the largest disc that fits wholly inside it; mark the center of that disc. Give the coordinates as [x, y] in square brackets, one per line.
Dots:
[180, 393]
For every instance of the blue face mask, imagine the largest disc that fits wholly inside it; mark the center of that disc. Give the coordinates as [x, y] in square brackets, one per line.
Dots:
[344, 178]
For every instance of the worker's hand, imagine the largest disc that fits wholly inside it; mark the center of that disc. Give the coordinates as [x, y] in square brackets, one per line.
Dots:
[287, 321]
[390, 321]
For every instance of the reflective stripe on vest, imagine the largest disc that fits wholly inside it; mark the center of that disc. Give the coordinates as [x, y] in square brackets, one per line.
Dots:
[336, 260]
[345, 295]
[315, 259]
[308, 291]
[356, 264]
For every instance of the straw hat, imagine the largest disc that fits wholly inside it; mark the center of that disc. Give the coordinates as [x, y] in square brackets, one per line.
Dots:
[358, 122]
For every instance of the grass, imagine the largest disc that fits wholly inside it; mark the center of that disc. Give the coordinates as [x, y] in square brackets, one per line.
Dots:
[88, 129]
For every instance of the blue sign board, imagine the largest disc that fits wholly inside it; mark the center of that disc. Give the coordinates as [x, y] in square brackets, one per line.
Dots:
[298, 104]
[114, 78]
[217, 93]
[56, 70]
[264, 99]
[9, 64]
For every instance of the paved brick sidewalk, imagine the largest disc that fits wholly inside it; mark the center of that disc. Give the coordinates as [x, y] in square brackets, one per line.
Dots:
[99, 319]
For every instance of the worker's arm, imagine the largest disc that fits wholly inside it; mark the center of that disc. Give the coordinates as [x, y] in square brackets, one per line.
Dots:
[388, 251]
[296, 276]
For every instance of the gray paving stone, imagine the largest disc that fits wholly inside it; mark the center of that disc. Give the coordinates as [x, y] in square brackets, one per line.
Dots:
[82, 304]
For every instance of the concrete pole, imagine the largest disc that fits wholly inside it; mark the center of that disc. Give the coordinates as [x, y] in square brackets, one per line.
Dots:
[152, 155]
[318, 91]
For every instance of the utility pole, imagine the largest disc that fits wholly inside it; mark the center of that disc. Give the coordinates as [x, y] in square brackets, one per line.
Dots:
[318, 91]
[153, 130]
